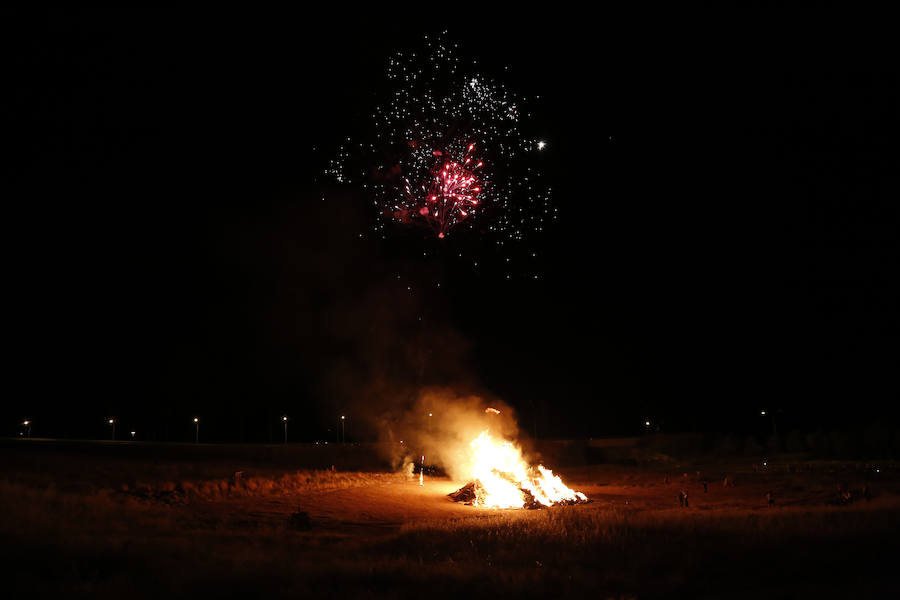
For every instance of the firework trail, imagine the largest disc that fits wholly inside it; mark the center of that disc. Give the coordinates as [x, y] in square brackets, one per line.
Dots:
[447, 149]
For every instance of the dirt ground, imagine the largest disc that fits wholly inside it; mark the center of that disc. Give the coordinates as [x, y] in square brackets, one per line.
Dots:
[387, 502]
[101, 526]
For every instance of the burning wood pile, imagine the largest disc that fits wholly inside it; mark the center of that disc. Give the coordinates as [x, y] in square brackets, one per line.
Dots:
[502, 479]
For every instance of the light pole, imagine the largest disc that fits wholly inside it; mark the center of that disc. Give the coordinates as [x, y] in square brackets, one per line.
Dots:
[133, 434]
[112, 422]
[284, 418]
[196, 430]
[343, 435]
[27, 425]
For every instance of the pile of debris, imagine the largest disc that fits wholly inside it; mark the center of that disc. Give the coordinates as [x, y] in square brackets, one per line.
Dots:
[465, 494]
[469, 492]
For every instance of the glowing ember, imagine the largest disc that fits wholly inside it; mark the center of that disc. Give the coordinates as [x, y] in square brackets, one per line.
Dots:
[502, 479]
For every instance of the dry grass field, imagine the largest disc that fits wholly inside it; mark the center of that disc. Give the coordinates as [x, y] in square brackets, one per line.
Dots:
[102, 527]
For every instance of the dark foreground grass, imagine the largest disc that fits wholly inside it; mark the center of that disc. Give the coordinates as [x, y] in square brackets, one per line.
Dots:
[107, 544]
[808, 553]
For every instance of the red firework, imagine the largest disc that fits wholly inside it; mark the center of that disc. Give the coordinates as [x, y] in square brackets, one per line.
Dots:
[451, 193]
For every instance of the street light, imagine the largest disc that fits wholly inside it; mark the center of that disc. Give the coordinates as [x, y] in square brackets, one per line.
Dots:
[27, 425]
[196, 430]
[113, 423]
[284, 418]
[132, 434]
[343, 434]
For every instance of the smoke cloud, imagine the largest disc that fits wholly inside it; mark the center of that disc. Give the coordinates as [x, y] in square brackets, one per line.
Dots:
[440, 424]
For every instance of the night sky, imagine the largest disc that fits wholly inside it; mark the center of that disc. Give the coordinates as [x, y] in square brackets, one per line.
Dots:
[727, 237]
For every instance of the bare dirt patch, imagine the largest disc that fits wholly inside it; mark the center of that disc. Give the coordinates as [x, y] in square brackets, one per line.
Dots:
[105, 528]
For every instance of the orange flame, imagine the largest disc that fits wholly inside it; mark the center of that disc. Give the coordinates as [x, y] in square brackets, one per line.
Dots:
[504, 480]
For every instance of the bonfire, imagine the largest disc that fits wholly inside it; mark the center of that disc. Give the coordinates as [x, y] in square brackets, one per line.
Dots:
[502, 479]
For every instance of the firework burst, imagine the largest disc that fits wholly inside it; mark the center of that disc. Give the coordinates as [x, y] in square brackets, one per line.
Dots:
[451, 194]
[447, 152]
